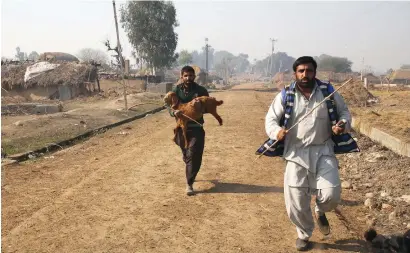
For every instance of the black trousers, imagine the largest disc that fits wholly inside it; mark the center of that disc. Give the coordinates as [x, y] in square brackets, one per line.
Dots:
[192, 155]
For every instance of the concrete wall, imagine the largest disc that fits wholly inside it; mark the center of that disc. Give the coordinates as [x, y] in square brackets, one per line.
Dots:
[385, 139]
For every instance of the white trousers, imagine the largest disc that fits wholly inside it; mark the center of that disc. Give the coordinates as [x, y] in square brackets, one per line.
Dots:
[300, 184]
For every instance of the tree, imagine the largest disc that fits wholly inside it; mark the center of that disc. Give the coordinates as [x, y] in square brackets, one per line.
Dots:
[196, 58]
[241, 63]
[221, 61]
[4, 60]
[334, 64]
[90, 54]
[184, 58]
[150, 29]
[120, 60]
[281, 61]
[368, 70]
[405, 66]
[199, 58]
[220, 56]
[224, 68]
[138, 61]
[21, 56]
[33, 56]
[224, 64]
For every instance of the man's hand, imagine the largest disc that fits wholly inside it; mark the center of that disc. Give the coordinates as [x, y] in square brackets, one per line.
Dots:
[177, 113]
[281, 135]
[339, 128]
[196, 100]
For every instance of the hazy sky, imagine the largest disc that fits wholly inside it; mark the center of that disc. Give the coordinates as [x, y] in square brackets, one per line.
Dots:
[377, 31]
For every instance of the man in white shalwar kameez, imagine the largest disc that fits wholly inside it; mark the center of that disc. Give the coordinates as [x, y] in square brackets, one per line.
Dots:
[311, 165]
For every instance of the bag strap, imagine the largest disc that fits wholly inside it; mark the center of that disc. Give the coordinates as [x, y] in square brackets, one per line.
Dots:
[288, 98]
[327, 89]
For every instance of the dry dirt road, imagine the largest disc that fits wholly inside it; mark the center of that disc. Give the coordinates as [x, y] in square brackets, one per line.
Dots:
[123, 191]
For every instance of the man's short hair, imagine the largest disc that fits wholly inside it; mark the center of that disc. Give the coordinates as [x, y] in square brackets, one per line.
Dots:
[187, 69]
[304, 60]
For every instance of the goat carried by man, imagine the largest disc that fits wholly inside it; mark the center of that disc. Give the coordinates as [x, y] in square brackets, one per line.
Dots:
[187, 102]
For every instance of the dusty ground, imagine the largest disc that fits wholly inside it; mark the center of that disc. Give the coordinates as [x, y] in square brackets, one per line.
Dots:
[356, 95]
[23, 133]
[258, 85]
[391, 114]
[125, 193]
[379, 195]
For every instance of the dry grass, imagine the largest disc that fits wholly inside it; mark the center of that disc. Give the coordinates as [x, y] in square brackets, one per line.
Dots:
[79, 116]
[393, 108]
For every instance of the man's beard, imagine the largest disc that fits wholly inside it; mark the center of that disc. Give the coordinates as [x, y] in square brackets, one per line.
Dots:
[188, 81]
[306, 82]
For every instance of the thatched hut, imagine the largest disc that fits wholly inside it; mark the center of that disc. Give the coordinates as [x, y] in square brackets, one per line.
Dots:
[57, 56]
[400, 76]
[66, 81]
[371, 79]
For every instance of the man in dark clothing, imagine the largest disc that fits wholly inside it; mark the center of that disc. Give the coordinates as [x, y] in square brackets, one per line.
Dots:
[187, 91]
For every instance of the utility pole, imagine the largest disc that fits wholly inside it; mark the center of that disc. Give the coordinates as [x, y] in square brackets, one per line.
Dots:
[271, 56]
[120, 56]
[361, 72]
[207, 46]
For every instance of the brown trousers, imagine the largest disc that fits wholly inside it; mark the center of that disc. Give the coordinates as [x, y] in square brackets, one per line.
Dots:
[192, 155]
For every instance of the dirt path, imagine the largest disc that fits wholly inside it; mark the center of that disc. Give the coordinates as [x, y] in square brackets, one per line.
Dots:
[123, 191]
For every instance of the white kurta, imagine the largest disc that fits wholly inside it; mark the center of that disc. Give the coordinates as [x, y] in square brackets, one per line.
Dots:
[311, 167]
[311, 138]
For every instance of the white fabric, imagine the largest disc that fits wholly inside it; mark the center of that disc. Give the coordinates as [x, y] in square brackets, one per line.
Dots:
[300, 184]
[38, 68]
[297, 200]
[326, 175]
[311, 138]
[312, 167]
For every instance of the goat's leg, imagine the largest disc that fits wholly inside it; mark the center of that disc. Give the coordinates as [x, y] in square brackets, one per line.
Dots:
[217, 117]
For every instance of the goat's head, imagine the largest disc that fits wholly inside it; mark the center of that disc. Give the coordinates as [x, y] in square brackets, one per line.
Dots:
[171, 99]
